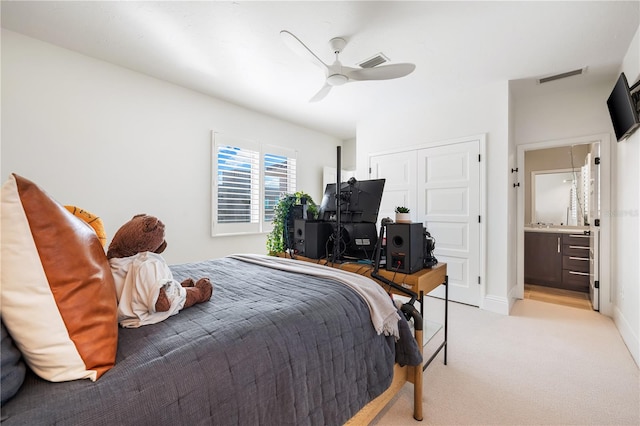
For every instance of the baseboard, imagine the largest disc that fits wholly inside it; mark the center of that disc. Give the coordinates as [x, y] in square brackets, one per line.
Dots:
[499, 305]
[514, 294]
[630, 339]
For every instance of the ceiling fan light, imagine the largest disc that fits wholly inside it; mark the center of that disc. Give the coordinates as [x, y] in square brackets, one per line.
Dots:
[337, 79]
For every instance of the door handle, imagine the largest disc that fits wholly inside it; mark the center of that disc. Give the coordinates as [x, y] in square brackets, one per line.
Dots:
[558, 244]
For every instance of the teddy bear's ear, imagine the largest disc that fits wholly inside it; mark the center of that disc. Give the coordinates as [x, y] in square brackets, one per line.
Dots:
[150, 223]
[138, 215]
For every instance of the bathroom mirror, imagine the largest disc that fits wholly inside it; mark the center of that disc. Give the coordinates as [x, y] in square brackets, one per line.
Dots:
[557, 197]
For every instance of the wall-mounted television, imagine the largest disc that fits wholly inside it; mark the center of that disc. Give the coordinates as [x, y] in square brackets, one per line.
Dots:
[623, 108]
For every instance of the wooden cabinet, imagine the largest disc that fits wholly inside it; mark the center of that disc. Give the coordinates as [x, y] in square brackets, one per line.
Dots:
[557, 260]
[543, 258]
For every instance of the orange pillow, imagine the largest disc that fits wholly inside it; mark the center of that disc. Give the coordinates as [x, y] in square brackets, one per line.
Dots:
[94, 221]
[58, 294]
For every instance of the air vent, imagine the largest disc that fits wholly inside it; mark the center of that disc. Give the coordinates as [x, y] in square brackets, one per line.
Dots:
[374, 61]
[561, 75]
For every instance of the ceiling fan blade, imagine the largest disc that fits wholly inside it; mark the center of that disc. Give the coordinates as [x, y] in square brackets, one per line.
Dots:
[383, 72]
[299, 48]
[321, 93]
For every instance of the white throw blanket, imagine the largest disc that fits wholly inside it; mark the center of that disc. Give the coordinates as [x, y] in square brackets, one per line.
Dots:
[384, 314]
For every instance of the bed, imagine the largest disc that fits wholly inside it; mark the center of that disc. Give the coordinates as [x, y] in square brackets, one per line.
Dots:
[271, 347]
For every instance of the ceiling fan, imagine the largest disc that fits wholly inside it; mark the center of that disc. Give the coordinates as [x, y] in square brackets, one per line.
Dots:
[337, 74]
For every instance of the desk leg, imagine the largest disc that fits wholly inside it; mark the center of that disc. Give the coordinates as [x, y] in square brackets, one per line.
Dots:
[446, 315]
[417, 382]
[443, 345]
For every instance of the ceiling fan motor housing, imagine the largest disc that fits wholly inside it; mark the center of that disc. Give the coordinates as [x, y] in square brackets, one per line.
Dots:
[337, 79]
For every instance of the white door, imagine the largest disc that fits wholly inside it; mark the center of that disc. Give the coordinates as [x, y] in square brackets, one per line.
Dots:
[449, 207]
[399, 171]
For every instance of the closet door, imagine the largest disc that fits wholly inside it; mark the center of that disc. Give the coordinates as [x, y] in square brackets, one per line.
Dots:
[449, 206]
[399, 171]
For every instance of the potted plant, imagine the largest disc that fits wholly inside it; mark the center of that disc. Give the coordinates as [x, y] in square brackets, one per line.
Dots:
[402, 214]
[276, 240]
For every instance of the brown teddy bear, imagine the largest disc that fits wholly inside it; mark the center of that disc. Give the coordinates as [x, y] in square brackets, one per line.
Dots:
[144, 280]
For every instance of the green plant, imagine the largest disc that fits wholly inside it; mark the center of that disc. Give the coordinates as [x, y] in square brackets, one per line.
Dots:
[281, 213]
[402, 209]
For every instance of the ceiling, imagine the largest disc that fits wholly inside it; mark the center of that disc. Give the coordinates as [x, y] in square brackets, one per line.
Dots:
[233, 50]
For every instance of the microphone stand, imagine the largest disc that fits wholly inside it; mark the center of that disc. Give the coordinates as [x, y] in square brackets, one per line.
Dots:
[338, 231]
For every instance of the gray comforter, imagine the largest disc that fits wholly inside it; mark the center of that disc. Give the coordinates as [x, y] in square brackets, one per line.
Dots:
[270, 347]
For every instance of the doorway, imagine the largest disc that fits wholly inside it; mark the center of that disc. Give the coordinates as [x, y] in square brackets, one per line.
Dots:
[524, 208]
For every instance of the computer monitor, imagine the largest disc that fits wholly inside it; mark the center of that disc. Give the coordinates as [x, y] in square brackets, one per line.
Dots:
[359, 201]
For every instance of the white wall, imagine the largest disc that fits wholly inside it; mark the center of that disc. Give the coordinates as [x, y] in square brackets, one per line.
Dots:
[563, 114]
[483, 110]
[118, 143]
[624, 217]
[348, 155]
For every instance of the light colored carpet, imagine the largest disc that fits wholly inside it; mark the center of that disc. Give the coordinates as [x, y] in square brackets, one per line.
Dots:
[545, 364]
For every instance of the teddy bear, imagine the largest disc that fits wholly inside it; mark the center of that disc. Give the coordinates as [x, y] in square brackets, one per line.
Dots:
[147, 292]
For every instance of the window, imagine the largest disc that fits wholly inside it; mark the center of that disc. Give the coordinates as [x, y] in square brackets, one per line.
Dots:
[248, 181]
[238, 185]
[279, 178]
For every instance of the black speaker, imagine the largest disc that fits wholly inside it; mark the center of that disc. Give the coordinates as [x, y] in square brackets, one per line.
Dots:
[311, 238]
[299, 236]
[405, 245]
[298, 211]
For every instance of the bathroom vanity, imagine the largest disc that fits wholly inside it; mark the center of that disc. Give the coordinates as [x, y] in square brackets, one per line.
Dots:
[557, 257]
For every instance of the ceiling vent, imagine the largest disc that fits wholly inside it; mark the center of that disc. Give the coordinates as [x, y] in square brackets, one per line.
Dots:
[561, 75]
[374, 61]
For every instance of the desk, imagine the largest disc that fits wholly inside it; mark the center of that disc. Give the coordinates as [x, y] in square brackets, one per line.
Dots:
[421, 283]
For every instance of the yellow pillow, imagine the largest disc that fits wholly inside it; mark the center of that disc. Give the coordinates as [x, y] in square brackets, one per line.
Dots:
[94, 221]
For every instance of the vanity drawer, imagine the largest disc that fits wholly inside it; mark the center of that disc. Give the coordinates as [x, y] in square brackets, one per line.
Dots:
[576, 251]
[575, 239]
[575, 263]
[576, 281]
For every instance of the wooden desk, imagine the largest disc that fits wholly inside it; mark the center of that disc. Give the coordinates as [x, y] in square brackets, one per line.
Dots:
[421, 283]
[425, 280]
